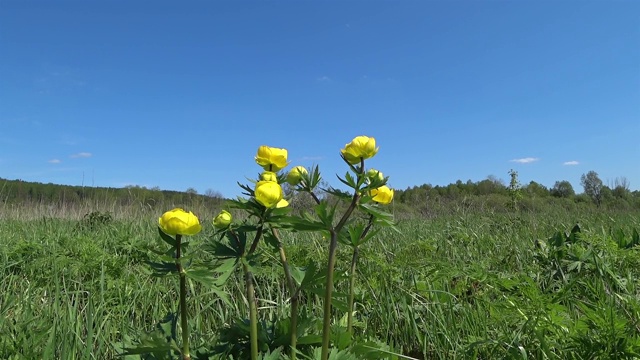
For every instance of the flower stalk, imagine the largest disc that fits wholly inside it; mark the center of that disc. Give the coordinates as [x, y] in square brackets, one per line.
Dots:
[293, 293]
[333, 246]
[184, 323]
[253, 310]
[352, 284]
[352, 275]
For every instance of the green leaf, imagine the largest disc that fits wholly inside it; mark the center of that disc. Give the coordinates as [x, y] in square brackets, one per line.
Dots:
[325, 214]
[339, 193]
[355, 237]
[305, 223]
[382, 217]
[225, 268]
[312, 277]
[375, 350]
[310, 180]
[233, 247]
[166, 238]
[162, 268]
[275, 355]
[310, 339]
[271, 240]
[298, 274]
[205, 276]
[161, 342]
[348, 180]
[574, 237]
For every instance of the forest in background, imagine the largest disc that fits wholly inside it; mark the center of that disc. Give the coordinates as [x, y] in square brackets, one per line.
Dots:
[424, 201]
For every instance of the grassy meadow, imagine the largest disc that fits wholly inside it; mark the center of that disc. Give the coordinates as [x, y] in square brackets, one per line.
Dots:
[468, 285]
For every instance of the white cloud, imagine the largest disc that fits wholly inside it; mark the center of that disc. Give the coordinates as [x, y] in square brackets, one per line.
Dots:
[82, 155]
[324, 79]
[572, 162]
[525, 160]
[54, 161]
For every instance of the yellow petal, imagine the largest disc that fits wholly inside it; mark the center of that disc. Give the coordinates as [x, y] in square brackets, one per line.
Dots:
[268, 193]
[178, 221]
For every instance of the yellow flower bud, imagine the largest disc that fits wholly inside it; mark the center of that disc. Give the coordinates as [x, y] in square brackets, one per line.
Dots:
[382, 195]
[375, 175]
[361, 147]
[269, 176]
[178, 221]
[222, 220]
[295, 175]
[268, 193]
[271, 159]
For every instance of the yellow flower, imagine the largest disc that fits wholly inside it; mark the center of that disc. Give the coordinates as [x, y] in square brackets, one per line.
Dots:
[222, 220]
[382, 195]
[178, 221]
[269, 176]
[374, 175]
[268, 193]
[295, 175]
[271, 159]
[361, 147]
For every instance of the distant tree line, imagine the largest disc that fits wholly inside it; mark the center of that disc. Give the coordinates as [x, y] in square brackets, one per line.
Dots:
[488, 195]
[492, 194]
[18, 191]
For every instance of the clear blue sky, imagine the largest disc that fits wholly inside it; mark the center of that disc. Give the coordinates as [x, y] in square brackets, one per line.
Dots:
[181, 94]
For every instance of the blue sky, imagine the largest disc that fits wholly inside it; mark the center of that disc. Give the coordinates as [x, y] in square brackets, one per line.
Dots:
[181, 94]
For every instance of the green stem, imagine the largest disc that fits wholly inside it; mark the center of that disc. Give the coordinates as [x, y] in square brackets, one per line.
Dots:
[256, 240]
[333, 246]
[326, 325]
[315, 197]
[253, 311]
[292, 291]
[352, 284]
[183, 302]
[294, 327]
[352, 276]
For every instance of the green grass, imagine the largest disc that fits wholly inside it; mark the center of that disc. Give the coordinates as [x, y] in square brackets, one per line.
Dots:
[473, 285]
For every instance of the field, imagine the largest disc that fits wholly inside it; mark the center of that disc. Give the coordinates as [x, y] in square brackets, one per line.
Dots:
[462, 286]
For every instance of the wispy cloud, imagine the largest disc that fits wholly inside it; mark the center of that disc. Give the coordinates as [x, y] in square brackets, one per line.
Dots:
[324, 79]
[81, 155]
[54, 161]
[525, 160]
[572, 162]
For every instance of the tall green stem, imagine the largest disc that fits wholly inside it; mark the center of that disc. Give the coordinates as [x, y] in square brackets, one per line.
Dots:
[333, 246]
[352, 275]
[251, 293]
[326, 325]
[253, 311]
[352, 284]
[184, 324]
[294, 296]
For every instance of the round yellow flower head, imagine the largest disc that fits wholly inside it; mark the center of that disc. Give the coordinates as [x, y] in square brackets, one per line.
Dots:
[269, 176]
[222, 220]
[382, 195]
[271, 159]
[361, 147]
[178, 221]
[374, 174]
[295, 175]
[268, 193]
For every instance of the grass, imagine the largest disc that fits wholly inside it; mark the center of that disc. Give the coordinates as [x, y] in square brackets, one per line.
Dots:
[464, 286]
